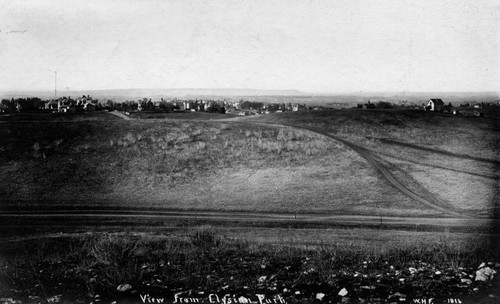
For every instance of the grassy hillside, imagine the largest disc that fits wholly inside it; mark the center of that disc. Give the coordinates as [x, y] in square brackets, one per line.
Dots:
[456, 159]
[78, 161]
[188, 165]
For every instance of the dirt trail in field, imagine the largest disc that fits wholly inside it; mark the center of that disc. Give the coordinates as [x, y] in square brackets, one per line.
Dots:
[423, 198]
[437, 151]
[126, 217]
[120, 114]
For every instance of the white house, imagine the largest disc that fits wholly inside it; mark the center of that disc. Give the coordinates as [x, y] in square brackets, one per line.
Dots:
[435, 105]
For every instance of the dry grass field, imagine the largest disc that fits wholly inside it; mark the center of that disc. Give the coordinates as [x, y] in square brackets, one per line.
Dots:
[198, 165]
[100, 161]
[454, 159]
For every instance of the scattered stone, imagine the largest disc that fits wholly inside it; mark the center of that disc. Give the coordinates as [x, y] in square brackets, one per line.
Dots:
[412, 270]
[368, 287]
[485, 274]
[54, 299]
[482, 265]
[262, 279]
[466, 281]
[343, 292]
[320, 296]
[124, 287]
[297, 292]
[9, 301]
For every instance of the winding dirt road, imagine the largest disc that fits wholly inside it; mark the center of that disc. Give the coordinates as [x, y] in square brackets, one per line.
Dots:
[125, 217]
[426, 200]
[374, 162]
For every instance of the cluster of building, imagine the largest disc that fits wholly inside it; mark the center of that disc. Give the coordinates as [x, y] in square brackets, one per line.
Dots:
[435, 105]
[68, 104]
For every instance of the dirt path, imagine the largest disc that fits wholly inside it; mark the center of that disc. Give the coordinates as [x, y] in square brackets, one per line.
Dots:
[124, 217]
[426, 200]
[437, 151]
[120, 114]
[372, 160]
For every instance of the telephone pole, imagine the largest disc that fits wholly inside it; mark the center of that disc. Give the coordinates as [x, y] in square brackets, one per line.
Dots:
[55, 84]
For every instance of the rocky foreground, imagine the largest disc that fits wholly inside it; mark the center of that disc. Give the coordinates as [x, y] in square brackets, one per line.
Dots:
[257, 279]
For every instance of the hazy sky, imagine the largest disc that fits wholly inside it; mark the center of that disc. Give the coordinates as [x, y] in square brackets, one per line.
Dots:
[315, 46]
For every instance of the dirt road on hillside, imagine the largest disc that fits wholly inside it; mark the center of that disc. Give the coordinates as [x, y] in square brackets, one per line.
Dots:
[425, 199]
[372, 159]
[120, 114]
[68, 218]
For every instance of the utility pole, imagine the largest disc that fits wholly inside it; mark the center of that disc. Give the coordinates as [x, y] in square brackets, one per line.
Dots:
[55, 84]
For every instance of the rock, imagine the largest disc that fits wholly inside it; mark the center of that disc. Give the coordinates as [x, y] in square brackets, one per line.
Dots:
[485, 274]
[320, 296]
[124, 287]
[412, 270]
[297, 292]
[343, 292]
[466, 281]
[262, 279]
[54, 299]
[9, 301]
[438, 272]
[482, 265]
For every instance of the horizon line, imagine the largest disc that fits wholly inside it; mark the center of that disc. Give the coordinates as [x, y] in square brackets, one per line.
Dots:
[312, 92]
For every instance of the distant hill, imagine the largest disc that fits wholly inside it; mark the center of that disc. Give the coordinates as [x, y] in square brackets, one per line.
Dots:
[149, 93]
[276, 96]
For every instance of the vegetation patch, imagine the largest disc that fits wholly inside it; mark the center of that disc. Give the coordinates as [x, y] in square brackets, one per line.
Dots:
[114, 267]
[185, 164]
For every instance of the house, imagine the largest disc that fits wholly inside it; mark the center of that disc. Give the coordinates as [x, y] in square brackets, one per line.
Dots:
[89, 107]
[3, 108]
[52, 105]
[434, 104]
[368, 105]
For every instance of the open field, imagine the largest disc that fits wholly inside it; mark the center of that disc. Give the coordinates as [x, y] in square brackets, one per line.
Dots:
[180, 115]
[477, 137]
[453, 159]
[255, 166]
[189, 165]
[57, 117]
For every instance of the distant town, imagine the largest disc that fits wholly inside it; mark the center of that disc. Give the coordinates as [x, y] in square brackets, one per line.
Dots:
[229, 105]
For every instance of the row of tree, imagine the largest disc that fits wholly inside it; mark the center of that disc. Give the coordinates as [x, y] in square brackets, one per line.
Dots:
[23, 104]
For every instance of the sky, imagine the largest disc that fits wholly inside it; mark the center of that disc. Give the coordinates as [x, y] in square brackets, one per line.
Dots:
[312, 46]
